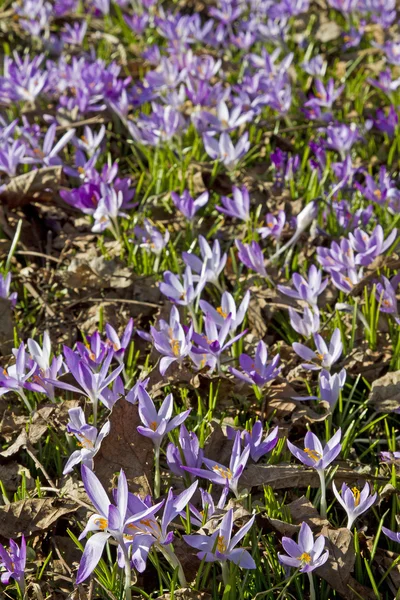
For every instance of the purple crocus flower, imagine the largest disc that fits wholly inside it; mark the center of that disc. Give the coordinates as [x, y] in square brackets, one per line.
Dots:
[111, 520]
[325, 96]
[88, 438]
[12, 563]
[93, 385]
[48, 155]
[15, 377]
[208, 509]
[220, 546]
[386, 295]
[189, 454]
[228, 307]
[238, 206]
[213, 341]
[108, 210]
[353, 501]
[274, 226]
[315, 66]
[171, 340]
[148, 532]
[119, 345]
[307, 290]
[259, 446]
[157, 425]
[5, 282]
[11, 156]
[306, 325]
[152, 238]
[330, 387]
[389, 457]
[368, 247]
[306, 555]
[324, 357]
[341, 138]
[251, 255]
[46, 368]
[187, 205]
[74, 34]
[182, 293]
[221, 475]
[224, 150]
[318, 457]
[392, 535]
[256, 370]
[385, 82]
[213, 262]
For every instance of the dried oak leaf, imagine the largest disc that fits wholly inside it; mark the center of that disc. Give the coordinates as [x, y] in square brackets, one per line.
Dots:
[124, 448]
[185, 594]
[32, 515]
[328, 31]
[24, 188]
[10, 476]
[340, 564]
[96, 273]
[55, 415]
[385, 393]
[283, 476]
[6, 327]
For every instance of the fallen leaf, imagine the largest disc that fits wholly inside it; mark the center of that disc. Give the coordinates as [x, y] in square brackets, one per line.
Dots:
[32, 515]
[385, 393]
[283, 476]
[124, 448]
[340, 564]
[328, 31]
[185, 594]
[11, 474]
[6, 327]
[302, 509]
[97, 273]
[22, 189]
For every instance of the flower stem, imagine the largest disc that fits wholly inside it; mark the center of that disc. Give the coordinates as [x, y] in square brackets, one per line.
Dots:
[174, 562]
[321, 474]
[225, 572]
[157, 477]
[127, 586]
[21, 588]
[312, 588]
[26, 401]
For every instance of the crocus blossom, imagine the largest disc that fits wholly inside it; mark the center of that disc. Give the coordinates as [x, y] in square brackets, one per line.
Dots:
[307, 554]
[12, 563]
[354, 501]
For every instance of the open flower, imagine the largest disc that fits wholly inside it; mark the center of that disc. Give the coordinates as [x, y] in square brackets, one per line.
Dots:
[325, 357]
[228, 477]
[89, 439]
[12, 563]
[306, 555]
[256, 370]
[258, 445]
[111, 520]
[221, 545]
[354, 501]
[171, 340]
[157, 425]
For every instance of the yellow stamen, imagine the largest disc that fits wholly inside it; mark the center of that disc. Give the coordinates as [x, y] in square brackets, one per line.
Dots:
[356, 494]
[175, 346]
[101, 523]
[221, 312]
[305, 558]
[221, 546]
[378, 193]
[223, 471]
[313, 454]
[153, 425]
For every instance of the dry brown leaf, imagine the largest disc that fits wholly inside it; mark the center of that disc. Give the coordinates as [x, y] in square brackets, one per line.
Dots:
[124, 448]
[328, 31]
[385, 393]
[22, 189]
[10, 476]
[55, 415]
[96, 273]
[6, 327]
[340, 564]
[185, 594]
[32, 515]
[283, 476]
[301, 510]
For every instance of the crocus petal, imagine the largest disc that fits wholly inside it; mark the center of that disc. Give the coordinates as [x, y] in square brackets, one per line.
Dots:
[95, 491]
[91, 555]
